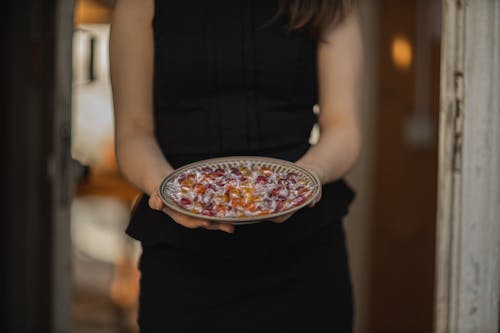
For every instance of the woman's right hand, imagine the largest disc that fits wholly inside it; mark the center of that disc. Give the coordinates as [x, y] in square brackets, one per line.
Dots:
[187, 221]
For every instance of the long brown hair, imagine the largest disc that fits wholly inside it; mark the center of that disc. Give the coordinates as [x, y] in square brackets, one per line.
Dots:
[314, 15]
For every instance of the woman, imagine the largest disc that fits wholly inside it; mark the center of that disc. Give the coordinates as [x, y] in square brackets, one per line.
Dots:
[200, 79]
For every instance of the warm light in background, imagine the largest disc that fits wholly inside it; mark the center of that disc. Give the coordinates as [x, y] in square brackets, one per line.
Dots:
[92, 11]
[402, 52]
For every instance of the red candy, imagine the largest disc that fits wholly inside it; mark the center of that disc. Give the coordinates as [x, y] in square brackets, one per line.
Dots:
[185, 202]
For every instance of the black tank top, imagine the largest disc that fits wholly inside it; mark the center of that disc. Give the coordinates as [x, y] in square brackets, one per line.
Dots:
[229, 81]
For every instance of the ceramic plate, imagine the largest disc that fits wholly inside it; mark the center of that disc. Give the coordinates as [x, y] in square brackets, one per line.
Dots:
[239, 189]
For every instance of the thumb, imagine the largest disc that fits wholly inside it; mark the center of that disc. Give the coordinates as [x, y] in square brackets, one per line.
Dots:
[155, 202]
[315, 200]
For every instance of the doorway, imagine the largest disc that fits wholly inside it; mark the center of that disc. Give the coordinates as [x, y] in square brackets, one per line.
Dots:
[397, 215]
[105, 276]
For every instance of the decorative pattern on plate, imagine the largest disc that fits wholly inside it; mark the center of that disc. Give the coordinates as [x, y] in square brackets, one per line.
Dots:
[240, 189]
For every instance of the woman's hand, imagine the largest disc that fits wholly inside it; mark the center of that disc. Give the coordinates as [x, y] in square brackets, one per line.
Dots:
[283, 218]
[316, 199]
[187, 221]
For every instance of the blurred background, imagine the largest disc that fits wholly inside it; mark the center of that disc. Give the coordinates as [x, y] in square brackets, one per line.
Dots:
[59, 175]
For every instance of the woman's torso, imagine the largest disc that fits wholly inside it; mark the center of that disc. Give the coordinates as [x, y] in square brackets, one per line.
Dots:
[227, 81]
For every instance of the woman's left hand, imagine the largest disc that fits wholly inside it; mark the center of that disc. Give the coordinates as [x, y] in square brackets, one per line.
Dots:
[316, 199]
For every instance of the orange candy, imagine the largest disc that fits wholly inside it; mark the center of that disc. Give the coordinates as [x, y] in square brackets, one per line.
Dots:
[200, 188]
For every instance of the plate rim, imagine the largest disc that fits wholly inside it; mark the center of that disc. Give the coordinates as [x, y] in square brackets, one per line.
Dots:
[238, 220]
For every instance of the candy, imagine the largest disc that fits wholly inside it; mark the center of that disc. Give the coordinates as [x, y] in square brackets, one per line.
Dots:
[239, 191]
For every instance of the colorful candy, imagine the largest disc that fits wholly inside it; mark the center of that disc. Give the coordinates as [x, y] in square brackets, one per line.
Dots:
[244, 191]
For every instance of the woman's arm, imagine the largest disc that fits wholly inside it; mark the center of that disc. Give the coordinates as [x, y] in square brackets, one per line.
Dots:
[339, 77]
[131, 59]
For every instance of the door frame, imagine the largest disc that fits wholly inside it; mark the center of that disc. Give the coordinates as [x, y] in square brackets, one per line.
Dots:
[61, 168]
[468, 218]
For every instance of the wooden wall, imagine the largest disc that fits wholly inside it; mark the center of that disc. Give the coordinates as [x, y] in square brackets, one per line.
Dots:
[404, 195]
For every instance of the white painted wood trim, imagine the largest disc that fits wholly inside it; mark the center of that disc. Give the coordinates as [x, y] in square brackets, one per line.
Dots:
[468, 220]
[61, 169]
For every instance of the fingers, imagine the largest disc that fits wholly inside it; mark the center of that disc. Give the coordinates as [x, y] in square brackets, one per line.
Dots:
[229, 228]
[194, 223]
[212, 225]
[315, 200]
[155, 202]
[187, 221]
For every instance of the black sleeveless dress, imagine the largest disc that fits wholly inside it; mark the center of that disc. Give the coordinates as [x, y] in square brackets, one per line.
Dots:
[228, 81]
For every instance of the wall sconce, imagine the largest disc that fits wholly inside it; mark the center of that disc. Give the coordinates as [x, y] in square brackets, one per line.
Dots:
[402, 52]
